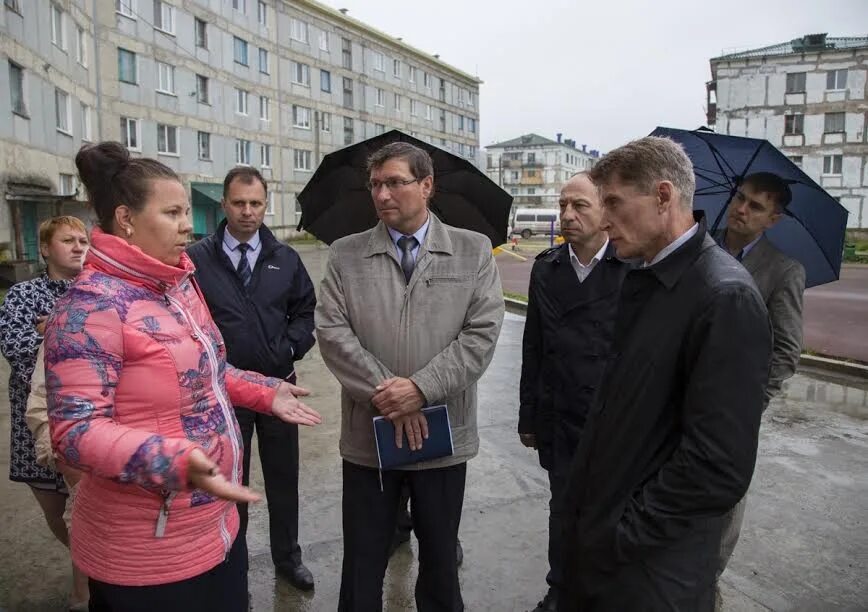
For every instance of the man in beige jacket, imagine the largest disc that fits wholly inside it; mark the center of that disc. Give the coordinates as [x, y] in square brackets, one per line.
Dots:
[408, 316]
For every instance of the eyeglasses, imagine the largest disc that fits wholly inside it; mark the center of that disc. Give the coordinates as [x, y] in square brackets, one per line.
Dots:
[391, 184]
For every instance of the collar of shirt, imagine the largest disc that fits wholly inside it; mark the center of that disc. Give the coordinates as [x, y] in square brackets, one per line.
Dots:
[419, 235]
[721, 240]
[673, 246]
[230, 247]
[594, 260]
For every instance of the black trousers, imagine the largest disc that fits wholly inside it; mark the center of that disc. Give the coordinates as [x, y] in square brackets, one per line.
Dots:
[220, 589]
[278, 453]
[558, 482]
[369, 517]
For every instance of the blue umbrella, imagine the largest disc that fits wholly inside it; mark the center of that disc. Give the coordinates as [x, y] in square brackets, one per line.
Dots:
[812, 229]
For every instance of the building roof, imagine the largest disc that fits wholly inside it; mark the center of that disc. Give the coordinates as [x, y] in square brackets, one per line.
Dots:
[810, 43]
[528, 140]
[342, 17]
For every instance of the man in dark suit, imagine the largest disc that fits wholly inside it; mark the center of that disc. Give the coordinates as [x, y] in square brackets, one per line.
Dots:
[262, 299]
[758, 204]
[567, 335]
[670, 442]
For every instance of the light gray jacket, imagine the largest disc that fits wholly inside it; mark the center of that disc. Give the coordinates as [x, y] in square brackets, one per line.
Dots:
[781, 281]
[439, 330]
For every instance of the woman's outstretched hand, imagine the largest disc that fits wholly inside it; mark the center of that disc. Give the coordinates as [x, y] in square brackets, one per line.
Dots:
[204, 474]
[287, 407]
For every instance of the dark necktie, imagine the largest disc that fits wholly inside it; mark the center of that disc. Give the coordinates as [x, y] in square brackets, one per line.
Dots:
[407, 244]
[740, 255]
[243, 268]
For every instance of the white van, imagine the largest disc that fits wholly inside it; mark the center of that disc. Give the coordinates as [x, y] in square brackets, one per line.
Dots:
[532, 221]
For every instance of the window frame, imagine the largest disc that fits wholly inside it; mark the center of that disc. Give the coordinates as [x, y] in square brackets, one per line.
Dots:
[264, 107]
[137, 133]
[135, 66]
[262, 13]
[297, 112]
[244, 46]
[81, 46]
[67, 114]
[328, 76]
[305, 156]
[199, 140]
[22, 84]
[832, 159]
[834, 116]
[58, 31]
[835, 74]
[793, 76]
[86, 123]
[242, 102]
[263, 149]
[201, 38]
[305, 74]
[166, 12]
[263, 53]
[798, 122]
[166, 129]
[243, 150]
[206, 90]
[129, 5]
[169, 70]
[295, 31]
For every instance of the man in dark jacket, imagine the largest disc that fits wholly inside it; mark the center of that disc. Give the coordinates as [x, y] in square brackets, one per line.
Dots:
[262, 299]
[574, 292]
[670, 443]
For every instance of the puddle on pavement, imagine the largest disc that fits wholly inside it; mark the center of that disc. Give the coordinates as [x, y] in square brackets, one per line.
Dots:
[837, 393]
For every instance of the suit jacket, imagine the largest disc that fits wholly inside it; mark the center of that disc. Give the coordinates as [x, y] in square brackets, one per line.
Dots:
[439, 330]
[781, 282]
[567, 338]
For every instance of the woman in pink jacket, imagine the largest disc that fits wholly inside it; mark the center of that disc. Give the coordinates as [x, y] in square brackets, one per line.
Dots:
[140, 400]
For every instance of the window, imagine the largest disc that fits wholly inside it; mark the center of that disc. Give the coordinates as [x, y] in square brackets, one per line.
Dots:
[414, 107]
[397, 102]
[81, 46]
[201, 34]
[300, 116]
[127, 69]
[325, 123]
[460, 123]
[270, 209]
[240, 5]
[348, 130]
[348, 92]
[242, 152]
[264, 108]
[347, 53]
[471, 125]
[325, 81]
[85, 122]
[471, 99]
[428, 111]
[164, 17]
[323, 40]
[797, 160]
[532, 191]
[796, 82]
[301, 74]
[836, 79]
[16, 88]
[262, 13]
[794, 124]
[412, 74]
[460, 97]
[426, 80]
[379, 128]
[381, 97]
[66, 184]
[240, 101]
[302, 159]
[241, 51]
[832, 164]
[265, 155]
[379, 61]
[263, 61]
[57, 36]
[531, 158]
[167, 139]
[299, 30]
[202, 89]
[834, 123]
[62, 110]
[442, 90]
[396, 68]
[204, 140]
[165, 78]
[130, 133]
[125, 8]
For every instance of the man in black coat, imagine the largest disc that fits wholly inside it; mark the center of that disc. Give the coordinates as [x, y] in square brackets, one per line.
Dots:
[262, 299]
[574, 292]
[670, 443]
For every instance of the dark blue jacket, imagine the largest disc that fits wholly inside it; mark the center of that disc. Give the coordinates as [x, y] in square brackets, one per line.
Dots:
[269, 325]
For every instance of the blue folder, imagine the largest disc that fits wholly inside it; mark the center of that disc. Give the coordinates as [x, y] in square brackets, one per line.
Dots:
[438, 444]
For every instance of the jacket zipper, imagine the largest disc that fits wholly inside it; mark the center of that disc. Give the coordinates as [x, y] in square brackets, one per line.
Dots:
[163, 516]
[227, 415]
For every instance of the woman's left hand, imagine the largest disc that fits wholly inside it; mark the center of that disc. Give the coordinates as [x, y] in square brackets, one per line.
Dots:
[288, 408]
[40, 324]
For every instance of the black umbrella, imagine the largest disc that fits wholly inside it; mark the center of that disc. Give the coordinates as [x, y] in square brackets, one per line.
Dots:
[812, 230]
[336, 203]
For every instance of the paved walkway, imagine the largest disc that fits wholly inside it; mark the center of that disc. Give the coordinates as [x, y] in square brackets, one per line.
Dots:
[803, 546]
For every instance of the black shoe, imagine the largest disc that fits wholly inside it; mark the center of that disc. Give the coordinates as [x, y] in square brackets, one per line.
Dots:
[298, 576]
[548, 604]
[459, 554]
[400, 537]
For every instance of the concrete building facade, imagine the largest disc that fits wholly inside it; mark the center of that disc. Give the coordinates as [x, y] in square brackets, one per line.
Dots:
[533, 168]
[203, 85]
[809, 98]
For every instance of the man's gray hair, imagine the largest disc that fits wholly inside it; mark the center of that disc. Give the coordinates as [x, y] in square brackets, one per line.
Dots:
[417, 159]
[644, 163]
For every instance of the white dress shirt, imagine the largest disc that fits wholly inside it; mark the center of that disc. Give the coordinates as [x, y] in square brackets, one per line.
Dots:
[230, 247]
[419, 235]
[673, 246]
[582, 270]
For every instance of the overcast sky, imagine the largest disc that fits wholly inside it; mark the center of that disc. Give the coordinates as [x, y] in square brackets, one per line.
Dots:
[601, 72]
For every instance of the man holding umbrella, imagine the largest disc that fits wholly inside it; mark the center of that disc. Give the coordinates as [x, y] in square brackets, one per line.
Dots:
[408, 316]
[758, 204]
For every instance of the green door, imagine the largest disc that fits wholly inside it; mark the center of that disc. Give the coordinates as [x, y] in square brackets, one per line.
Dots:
[29, 230]
[207, 212]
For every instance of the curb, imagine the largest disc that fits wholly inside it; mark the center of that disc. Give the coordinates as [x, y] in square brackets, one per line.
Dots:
[814, 361]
